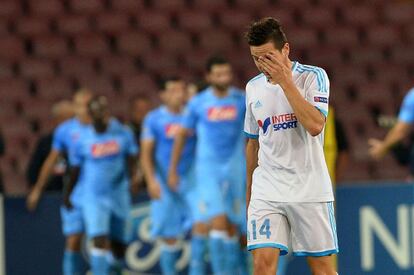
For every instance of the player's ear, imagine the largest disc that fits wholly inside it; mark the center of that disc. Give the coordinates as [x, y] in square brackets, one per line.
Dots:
[286, 50]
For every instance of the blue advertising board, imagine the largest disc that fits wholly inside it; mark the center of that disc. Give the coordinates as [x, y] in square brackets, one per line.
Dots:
[375, 229]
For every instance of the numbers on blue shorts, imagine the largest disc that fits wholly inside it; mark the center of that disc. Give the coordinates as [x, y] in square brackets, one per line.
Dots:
[263, 231]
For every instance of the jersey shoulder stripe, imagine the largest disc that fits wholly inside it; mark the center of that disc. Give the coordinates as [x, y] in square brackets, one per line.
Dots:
[320, 74]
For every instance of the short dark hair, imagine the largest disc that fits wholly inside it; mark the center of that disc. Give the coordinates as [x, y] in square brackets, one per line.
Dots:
[265, 30]
[162, 84]
[139, 97]
[215, 60]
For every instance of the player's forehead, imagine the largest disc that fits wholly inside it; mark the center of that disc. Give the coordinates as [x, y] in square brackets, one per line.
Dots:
[261, 50]
[220, 68]
[174, 84]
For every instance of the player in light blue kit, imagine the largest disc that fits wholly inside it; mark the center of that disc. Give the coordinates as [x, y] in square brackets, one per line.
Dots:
[65, 138]
[216, 116]
[171, 206]
[106, 157]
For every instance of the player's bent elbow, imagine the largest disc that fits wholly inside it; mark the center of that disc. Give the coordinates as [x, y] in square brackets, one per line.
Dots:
[316, 129]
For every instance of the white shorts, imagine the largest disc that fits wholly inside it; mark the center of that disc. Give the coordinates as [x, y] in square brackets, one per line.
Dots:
[309, 228]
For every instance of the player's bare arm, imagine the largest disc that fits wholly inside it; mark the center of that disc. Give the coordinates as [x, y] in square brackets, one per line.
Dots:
[252, 151]
[178, 147]
[147, 163]
[133, 174]
[378, 149]
[41, 183]
[310, 117]
[73, 179]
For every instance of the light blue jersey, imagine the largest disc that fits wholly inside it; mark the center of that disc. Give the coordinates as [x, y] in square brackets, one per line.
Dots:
[65, 139]
[161, 126]
[407, 109]
[217, 123]
[171, 214]
[103, 160]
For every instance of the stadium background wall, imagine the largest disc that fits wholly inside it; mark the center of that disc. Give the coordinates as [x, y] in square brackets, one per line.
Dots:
[374, 237]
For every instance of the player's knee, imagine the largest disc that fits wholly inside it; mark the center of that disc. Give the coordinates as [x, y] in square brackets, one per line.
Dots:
[264, 265]
[200, 229]
[170, 241]
[233, 230]
[100, 242]
[323, 268]
[74, 242]
[220, 223]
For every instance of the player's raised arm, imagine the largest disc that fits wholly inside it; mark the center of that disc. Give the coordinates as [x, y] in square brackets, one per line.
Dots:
[280, 73]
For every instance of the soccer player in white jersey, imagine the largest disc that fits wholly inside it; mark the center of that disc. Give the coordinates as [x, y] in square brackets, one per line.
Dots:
[289, 192]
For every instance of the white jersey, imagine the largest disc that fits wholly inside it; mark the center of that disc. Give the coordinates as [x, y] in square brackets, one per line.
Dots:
[291, 166]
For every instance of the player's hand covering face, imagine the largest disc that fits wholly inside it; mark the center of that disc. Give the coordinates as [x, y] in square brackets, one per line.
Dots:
[273, 63]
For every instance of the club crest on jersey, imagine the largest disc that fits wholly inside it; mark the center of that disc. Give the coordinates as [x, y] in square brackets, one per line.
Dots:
[105, 149]
[171, 130]
[278, 122]
[223, 113]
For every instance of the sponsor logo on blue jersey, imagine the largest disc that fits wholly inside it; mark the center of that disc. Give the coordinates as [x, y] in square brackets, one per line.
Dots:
[223, 113]
[106, 149]
[278, 122]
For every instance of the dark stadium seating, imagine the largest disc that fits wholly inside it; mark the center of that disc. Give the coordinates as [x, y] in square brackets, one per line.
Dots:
[120, 47]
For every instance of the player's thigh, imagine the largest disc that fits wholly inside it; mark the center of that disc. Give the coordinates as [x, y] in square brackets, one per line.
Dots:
[322, 265]
[267, 226]
[211, 191]
[193, 206]
[72, 221]
[265, 260]
[166, 217]
[313, 229]
[74, 242]
[236, 201]
[97, 217]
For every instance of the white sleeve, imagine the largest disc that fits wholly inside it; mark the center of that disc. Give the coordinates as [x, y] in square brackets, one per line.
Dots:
[317, 91]
[251, 128]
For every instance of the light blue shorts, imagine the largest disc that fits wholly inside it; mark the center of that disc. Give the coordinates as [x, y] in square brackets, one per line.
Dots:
[103, 217]
[175, 212]
[72, 221]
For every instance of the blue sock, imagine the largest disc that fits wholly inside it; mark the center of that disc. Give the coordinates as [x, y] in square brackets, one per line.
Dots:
[72, 263]
[99, 263]
[168, 259]
[116, 265]
[198, 249]
[216, 251]
[232, 257]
